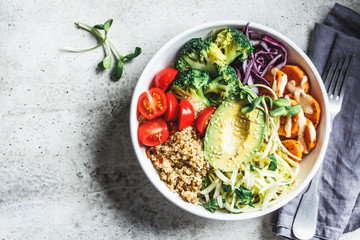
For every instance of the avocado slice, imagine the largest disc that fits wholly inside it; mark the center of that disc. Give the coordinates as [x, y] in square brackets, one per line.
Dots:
[233, 137]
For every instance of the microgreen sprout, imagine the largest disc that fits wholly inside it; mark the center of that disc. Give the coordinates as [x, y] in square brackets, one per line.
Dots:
[282, 105]
[108, 46]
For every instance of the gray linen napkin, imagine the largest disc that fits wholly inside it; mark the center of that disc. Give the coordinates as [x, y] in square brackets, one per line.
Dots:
[339, 188]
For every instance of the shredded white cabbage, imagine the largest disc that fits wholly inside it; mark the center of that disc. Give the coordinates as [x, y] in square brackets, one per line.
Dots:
[259, 185]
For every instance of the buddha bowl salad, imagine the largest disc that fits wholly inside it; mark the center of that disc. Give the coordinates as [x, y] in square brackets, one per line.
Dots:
[227, 125]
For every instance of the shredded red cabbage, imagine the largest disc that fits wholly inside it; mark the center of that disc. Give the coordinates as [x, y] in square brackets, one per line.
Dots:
[267, 53]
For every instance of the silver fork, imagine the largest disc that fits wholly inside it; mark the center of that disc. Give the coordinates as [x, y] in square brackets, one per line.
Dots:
[335, 75]
[334, 80]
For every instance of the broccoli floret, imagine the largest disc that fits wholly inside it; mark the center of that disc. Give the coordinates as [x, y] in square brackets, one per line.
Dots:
[189, 85]
[233, 43]
[200, 54]
[225, 85]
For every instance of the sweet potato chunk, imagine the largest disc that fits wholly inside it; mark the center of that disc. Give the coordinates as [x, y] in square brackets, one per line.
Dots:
[293, 147]
[294, 124]
[308, 100]
[309, 135]
[272, 75]
[314, 117]
[295, 73]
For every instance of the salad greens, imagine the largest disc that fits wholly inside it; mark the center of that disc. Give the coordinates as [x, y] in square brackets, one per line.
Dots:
[211, 205]
[108, 46]
[245, 195]
[264, 179]
[273, 162]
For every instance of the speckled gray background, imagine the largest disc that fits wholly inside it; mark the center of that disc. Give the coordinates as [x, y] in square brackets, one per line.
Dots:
[67, 169]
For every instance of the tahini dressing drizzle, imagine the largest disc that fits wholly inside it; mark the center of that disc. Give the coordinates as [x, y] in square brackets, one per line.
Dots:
[302, 98]
[282, 82]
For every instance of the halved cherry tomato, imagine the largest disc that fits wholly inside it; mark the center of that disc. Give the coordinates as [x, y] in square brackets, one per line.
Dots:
[152, 103]
[163, 78]
[172, 110]
[186, 115]
[153, 132]
[203, 119]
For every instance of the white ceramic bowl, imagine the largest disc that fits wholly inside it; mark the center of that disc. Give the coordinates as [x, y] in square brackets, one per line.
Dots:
[166, 55]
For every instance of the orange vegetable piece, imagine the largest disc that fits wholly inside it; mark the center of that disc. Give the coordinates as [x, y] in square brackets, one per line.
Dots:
[295, 73]
[315, 116]
[316, 111]
[269, 76]
[294, 124]
[309, 135]
[293, 147]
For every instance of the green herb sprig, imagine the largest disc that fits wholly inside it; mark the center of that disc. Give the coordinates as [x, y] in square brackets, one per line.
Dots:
[227, 188]
[211, 205]
[273, 162]
[205, 183]
[245, 195]
[108, 46]
[281, 106]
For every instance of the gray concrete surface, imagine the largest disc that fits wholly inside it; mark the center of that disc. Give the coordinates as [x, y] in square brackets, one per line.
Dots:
[67, 170]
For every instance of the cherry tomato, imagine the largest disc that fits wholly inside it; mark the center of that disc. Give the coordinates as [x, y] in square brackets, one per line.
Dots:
[186, 115]
[172, 110]
[153, 132]
[163, 78]
[203, 119]
[152, 103]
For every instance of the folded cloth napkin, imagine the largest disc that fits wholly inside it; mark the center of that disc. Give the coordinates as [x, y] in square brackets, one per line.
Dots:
[339, 188]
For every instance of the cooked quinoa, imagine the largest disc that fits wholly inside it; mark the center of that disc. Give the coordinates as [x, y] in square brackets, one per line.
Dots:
[180, 163]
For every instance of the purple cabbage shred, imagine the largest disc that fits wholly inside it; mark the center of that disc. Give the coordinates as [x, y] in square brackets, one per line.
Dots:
[268, 53]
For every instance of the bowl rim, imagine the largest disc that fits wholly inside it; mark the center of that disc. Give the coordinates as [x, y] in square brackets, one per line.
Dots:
[170, 195]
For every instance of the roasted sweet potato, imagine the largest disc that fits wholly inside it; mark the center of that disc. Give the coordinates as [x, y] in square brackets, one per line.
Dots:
[314, 117]
[294, 124]
[309, 136]
[309, 105]
[281, 79]
[293, 147]
[295, 73]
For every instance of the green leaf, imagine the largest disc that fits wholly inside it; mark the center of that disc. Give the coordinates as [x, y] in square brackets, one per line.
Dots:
[136, 53]
[281, 111]
[227, 188]
[107, 25]
[243, 172]
[251, 93]
[244, 195]
[243, 94]
[252, 167]
[247, 109]
[282, 102]
[205, 183]
[107, 62]
[293, 110]
[250, 97]
[119, 69]
[211, 205]
[256, 101]
[273, 162]
[245, 91]
[100, 64]
[99, 26]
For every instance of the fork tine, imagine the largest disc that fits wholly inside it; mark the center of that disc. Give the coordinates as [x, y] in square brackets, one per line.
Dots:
[345, 77]
[330, 65]
[339, 73]
[335, 73]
